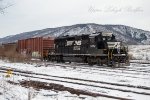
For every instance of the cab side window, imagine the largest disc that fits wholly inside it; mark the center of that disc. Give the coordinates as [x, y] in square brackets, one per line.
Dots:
[100, 45]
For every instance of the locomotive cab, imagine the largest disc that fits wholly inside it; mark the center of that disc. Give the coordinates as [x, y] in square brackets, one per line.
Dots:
[107, 49]
[96, 43]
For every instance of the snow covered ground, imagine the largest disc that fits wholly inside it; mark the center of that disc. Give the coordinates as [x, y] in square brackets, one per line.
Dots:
[132, 75]
[16, 92]
[140, 52]
[131, 82]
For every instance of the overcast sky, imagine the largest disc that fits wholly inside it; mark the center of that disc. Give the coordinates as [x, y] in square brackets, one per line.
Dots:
[29, 15]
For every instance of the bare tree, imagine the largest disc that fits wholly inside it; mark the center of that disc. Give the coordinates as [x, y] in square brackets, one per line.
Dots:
[4, 5]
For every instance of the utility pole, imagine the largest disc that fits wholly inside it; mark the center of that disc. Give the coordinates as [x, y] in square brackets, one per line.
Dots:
[3, 86]
[29, 91]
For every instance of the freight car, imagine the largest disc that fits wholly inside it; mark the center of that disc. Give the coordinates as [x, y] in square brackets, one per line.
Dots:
[37, 47]
[96, 48]
[8, 49]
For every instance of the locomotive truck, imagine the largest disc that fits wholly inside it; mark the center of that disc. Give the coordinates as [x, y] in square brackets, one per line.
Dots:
[96, 48]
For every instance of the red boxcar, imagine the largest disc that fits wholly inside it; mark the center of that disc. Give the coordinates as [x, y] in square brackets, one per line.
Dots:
[35, 47]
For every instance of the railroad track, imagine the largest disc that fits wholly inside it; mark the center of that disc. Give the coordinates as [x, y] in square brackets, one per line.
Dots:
[80, 68]
[101, 70]
[105, 70]
[128, 70]
[140, 61]
[142, 90]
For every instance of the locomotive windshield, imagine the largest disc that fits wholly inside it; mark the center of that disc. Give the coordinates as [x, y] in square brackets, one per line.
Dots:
[102, 39]
[108, 36]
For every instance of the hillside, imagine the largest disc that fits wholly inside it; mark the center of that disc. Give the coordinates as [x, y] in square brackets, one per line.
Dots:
[123, 33]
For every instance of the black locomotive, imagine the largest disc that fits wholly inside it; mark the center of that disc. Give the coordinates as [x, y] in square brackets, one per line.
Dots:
[97, 48]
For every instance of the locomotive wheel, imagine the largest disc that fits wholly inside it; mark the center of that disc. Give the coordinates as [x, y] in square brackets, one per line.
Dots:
[49, 58]
[89, 61]
[127, 63]
[99, 62]
[118, 62]
[58, 59]
[109, 63]
[114, 63]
